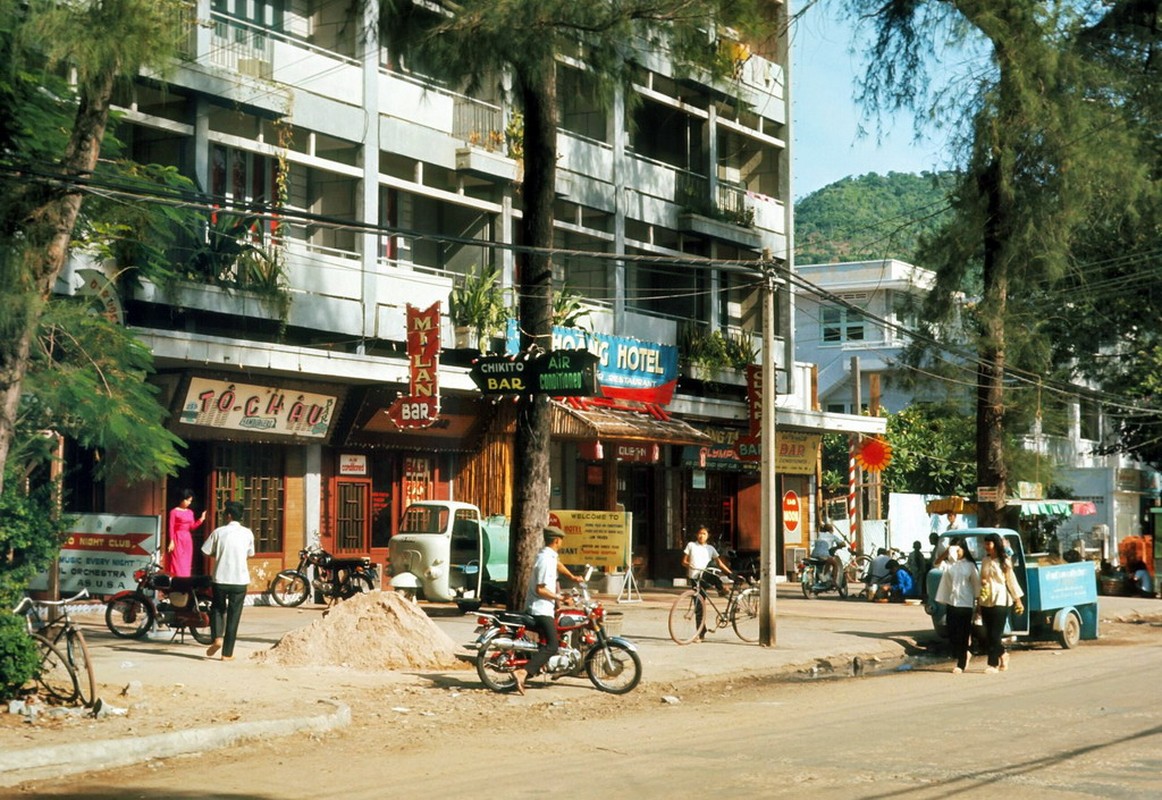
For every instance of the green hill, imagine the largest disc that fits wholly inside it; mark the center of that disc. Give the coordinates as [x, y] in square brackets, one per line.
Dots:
[870, 217]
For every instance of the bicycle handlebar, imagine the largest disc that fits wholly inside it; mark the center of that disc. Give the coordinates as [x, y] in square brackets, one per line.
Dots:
[27, 603]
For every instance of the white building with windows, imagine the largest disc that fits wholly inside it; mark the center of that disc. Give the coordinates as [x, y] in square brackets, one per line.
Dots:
[854, 322]
[860, 312]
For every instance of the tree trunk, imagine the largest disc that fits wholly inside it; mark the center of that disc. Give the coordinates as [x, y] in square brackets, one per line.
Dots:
[992, 469]
[530, 511]
[48, 229]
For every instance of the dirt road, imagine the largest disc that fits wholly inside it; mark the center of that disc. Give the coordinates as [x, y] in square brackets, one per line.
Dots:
[1058, 724]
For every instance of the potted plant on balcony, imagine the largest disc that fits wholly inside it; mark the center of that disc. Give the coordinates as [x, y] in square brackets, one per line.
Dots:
[716, 356]
[234, 256]
[476, 307]
[568, 310]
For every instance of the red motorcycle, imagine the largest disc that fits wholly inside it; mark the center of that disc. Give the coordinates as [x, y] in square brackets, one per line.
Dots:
[178, 603]
[506, 640]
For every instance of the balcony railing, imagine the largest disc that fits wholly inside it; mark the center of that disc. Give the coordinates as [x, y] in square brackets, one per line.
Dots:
[478, 123]
[241, 47]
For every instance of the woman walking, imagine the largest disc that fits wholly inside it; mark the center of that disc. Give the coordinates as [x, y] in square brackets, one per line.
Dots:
[958, 590]
[999, 592]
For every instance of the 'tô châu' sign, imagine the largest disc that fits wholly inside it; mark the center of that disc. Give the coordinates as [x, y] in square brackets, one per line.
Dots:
[560, 373]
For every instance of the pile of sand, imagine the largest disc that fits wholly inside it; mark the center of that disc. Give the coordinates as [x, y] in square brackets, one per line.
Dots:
[372, 631]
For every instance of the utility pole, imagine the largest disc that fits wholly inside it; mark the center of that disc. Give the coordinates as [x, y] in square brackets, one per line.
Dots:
[854, 473]
[877, 486]
[768, 482]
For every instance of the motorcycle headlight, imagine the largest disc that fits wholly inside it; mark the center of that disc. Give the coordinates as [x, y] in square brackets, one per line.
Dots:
[433, 573]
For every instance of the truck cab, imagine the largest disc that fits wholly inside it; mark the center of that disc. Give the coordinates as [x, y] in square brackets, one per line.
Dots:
[1060, 598]
[445, 552]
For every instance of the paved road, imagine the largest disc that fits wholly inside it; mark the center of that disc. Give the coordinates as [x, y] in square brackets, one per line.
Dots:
[1076, 724]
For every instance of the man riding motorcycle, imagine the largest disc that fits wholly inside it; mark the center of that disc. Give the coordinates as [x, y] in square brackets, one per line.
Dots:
[827, 544]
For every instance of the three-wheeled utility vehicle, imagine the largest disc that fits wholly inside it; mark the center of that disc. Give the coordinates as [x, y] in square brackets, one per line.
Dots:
[1060, 599]
[445, 552]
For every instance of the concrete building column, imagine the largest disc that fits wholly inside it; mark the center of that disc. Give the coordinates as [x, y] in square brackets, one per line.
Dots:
[368, 198]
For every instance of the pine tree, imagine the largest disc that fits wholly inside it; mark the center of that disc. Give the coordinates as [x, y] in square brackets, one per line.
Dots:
[1041, 141]
[471, 40]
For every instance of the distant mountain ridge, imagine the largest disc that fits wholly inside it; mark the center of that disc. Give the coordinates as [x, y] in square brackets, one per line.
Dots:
[870, 217]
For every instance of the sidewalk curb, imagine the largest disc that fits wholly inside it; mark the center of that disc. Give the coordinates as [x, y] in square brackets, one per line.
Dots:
[71, 759]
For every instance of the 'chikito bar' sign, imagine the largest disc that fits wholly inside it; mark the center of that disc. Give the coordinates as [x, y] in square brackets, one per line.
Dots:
[258, 409]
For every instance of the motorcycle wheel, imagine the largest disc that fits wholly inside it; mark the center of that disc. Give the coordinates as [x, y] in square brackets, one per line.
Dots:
[744, 616]
[129, 617]
[495, 666]
[684, 616]
[841, 585]
[202, 635]
[807, 580]
[289, 588]
[614, 668]
[356, 584]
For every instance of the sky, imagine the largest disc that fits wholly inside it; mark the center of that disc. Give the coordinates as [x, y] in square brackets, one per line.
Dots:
[826, 145]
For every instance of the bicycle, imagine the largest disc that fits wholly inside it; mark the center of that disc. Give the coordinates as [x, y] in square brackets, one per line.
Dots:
[694, 611]
[65, 670]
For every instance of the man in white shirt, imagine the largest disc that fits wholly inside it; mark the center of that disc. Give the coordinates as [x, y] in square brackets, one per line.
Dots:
[230, 546]
[541, 604]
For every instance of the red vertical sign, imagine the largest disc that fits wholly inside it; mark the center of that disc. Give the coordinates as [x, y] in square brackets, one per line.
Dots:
[420, 408]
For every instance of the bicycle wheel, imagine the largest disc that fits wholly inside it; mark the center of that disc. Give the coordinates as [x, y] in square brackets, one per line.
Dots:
[54, 674]
[856, 569]
[289, 588]
[78, 653]
[744, 615]
[687, 620]
[129, 617]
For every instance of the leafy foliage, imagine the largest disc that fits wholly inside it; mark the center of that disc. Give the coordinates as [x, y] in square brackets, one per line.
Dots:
[933, 450]
[568, 309]
[18, 656]
[477, 302]
[870, 217]
[87, 381]
[96, 44]
[30, 537]
[713, 350]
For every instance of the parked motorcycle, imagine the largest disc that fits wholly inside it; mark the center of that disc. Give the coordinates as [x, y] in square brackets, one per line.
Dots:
[506, 640]
[335, 578]
[815, 580]
[162, 599]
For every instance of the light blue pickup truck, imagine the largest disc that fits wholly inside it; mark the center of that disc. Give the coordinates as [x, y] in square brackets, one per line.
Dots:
[1060, 599]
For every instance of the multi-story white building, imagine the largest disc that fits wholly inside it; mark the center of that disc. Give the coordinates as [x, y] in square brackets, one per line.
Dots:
[386, 188]
[854, 321]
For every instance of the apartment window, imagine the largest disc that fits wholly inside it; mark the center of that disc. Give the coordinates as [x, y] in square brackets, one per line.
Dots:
[1090, 420]
[243, 179]
[841, 324]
